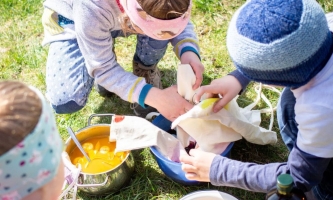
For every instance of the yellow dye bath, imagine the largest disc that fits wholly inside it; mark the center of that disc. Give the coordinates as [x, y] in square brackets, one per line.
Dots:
[101, 154]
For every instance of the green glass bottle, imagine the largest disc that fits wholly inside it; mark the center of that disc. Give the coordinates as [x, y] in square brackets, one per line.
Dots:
[285, 190]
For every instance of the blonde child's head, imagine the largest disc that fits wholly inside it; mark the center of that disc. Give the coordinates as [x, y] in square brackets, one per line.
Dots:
[30, 145]
[161, 20]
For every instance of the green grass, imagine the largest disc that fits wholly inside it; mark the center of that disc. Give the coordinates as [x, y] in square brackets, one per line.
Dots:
[23, 58]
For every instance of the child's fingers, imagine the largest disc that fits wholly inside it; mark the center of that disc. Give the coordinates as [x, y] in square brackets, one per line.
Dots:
[197, 95]
[191, 176]
[221, 103]
[194, 152]
[198, 81]
[189, 168]
[182, 154]
[201, 91]
[185, 158]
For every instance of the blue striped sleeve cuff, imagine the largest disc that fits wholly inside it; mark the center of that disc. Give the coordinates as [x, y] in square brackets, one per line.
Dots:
[143, 95]
[189, 48]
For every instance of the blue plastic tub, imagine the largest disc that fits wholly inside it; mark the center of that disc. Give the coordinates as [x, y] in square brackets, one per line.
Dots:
[170, 168]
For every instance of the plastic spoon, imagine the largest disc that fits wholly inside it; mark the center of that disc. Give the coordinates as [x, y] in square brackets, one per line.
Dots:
[73, 136]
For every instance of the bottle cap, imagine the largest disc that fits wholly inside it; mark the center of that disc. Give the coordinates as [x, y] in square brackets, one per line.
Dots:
[284, 183]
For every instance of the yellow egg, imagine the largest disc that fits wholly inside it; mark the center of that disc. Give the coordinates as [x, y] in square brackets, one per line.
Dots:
[104, 149]
[87, 146]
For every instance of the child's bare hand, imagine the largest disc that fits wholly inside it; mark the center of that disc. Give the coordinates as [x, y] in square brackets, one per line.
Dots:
[168, 102]
[197, 165]
[228, 87]
[192, 59]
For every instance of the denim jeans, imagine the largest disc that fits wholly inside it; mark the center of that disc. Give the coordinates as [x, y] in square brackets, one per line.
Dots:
[68, 83]
[288, 131]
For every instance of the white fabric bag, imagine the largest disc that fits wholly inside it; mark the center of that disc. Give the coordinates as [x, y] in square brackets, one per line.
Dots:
[212, 130]
[131, 132]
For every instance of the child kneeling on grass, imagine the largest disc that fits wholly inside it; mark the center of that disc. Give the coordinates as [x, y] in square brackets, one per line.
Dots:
[82, 37]
[286, 43]
[30, 146]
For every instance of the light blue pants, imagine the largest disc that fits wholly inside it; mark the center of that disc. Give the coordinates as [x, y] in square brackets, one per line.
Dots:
[68, 83]
[288, 131]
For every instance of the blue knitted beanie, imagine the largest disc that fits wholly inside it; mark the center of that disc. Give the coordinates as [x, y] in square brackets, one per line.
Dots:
[279, 42]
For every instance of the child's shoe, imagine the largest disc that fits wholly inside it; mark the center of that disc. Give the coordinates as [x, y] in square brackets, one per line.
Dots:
[153, 76]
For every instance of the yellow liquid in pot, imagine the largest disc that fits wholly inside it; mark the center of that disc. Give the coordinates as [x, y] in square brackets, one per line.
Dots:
[101, 154]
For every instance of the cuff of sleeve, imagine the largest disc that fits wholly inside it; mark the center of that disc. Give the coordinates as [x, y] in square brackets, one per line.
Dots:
[241, 78]
[215, 175]
[143, 95]
[188, 48]
[184, 43]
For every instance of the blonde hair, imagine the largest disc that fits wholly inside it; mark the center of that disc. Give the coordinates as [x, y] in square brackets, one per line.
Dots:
[20, 109]
[161, 9]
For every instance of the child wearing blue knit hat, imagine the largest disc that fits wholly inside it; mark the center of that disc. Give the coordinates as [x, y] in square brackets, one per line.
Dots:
[286, 43]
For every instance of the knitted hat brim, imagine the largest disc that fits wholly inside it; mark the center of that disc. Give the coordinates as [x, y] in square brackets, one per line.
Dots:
[292, 77]
[289, 60]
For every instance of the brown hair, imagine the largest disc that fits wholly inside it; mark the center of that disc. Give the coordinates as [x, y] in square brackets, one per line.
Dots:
[165, 9]
[161, 9]
[20, 109]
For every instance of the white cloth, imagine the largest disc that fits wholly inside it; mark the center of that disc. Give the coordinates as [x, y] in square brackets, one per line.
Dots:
[213, 130]
[131, 132]
[72, 174]
[185, 81]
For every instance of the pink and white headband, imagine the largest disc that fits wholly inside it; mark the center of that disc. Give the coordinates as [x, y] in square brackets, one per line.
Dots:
[155, 28]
